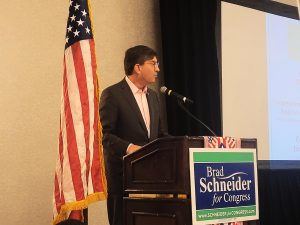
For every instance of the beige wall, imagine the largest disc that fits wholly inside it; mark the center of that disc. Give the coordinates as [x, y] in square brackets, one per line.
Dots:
[31, 56]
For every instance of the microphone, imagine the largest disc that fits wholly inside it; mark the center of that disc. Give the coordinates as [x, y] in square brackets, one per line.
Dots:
[170, 92]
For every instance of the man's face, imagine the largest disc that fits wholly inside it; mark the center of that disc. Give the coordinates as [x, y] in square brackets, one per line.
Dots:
[149, 71]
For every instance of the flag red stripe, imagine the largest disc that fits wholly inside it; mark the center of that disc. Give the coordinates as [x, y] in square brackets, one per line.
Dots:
[72, 145]
[57, 194]
[84, 97]
[96, 167]
[61, 149]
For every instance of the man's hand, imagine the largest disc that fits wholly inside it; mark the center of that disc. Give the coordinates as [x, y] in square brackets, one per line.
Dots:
[133, 148]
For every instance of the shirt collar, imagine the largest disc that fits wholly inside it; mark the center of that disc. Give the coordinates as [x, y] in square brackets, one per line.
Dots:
[134, 88]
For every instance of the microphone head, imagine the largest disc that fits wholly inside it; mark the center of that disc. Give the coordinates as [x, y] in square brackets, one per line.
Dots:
[163, 89]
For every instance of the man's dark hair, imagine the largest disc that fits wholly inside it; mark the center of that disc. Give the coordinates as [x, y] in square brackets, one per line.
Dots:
[137, 55]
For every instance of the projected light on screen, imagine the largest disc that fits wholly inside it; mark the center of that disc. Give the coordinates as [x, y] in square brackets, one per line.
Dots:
[283, 51]
[261, 80]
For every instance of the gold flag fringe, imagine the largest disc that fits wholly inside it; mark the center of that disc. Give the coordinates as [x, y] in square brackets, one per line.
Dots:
[78, 205]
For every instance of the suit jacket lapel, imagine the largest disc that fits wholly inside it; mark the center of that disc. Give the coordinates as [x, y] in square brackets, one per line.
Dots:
[150, 105]
[132, 102]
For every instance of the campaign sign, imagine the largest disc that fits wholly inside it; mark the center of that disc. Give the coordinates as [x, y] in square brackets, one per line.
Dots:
[223, 185]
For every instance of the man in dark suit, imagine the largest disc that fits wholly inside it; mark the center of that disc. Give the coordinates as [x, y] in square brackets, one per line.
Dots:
[130, 118]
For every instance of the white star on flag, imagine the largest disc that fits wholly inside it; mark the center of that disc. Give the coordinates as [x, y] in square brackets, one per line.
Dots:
[80, 22]
[76, 33]
[76, 7]
[73, 18]
[69, 29]
[84, 12]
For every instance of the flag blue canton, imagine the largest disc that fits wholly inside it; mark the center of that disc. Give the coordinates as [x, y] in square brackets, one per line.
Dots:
[79, 23]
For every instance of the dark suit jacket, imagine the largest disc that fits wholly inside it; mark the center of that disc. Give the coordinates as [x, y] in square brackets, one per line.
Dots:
[122, 124]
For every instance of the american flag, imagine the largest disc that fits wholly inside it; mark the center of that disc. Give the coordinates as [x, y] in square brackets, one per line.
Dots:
[222, 142]
[79, 175]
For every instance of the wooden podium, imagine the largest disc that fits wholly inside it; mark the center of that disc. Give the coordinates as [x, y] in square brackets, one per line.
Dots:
[157, 182]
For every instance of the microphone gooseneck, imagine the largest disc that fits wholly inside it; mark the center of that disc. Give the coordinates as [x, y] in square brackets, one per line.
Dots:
[181, 99]
[195, 118]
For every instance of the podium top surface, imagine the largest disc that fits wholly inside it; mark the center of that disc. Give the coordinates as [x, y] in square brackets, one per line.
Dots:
[198, 141]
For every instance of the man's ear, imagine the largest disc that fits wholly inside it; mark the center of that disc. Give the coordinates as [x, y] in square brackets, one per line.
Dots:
[137, 68]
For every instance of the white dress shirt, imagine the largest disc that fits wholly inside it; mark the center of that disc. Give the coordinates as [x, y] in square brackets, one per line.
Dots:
[140, 96]
[141, 99]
